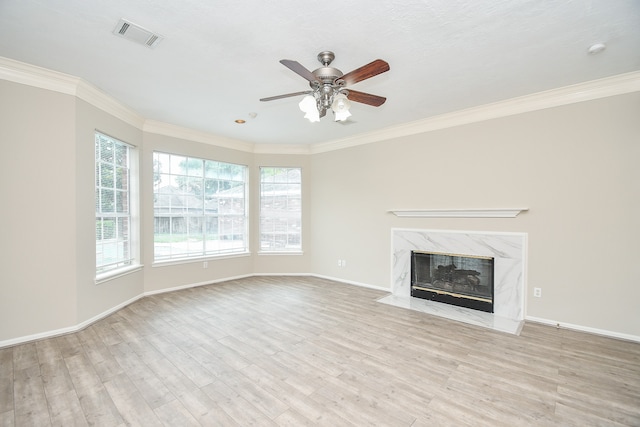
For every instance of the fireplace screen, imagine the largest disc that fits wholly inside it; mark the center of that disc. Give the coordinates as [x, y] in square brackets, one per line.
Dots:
[461, 280]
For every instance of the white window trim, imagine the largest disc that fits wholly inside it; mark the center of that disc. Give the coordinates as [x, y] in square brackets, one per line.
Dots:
[117, 273]
[134, 214]
[194, 259]
[261, 251]
[247, 218]
[281, 253]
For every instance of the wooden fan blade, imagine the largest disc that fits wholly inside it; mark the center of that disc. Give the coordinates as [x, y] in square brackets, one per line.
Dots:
[366, 71]
[366, 98]
[287, 95]
[299, 69]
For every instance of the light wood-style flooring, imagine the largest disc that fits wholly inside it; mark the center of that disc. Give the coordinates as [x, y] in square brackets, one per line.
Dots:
[297, 351]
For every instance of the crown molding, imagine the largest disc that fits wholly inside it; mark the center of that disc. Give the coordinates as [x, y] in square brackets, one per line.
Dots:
[94, 96]
[595, 89]
[31, 75]
[167, 129]
[299, 149]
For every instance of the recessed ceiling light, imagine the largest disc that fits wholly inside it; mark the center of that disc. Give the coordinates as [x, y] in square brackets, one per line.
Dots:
[240, 121]
[596, 48]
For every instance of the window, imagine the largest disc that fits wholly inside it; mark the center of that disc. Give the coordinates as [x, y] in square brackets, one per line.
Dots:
[200, 207]
[114, 223]
[280, 209]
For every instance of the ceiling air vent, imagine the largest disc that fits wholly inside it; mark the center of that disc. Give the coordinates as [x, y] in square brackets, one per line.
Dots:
[136, 33]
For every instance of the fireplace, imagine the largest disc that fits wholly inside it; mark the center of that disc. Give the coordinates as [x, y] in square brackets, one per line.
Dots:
[461, 280]
[508, 250]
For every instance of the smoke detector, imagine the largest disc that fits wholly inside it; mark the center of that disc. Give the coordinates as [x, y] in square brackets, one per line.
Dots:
[136, 33]
[596, 48]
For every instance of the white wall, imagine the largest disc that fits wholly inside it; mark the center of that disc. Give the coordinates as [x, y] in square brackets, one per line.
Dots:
[38, 210]
[48, 215]
[575, 167]
[96, 299]
[160, 276]
[292, 263]
[48, 257]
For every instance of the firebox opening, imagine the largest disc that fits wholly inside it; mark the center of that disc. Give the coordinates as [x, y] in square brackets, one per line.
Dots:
[462, 280]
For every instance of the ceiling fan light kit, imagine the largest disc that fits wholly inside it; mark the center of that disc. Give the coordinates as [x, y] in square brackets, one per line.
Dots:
[340, 107]
[328, 87]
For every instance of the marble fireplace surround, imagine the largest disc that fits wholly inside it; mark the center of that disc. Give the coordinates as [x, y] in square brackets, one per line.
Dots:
[508, 251]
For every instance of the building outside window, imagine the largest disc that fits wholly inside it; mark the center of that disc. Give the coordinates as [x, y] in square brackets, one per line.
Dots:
[280, 209]
[200, 207]
[115, 227]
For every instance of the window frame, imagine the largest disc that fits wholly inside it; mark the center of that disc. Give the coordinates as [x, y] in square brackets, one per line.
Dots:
[262, 215]
[165, 217]
[130, 263]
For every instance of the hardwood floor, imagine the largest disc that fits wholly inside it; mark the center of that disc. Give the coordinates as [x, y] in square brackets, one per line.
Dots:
[296, 351]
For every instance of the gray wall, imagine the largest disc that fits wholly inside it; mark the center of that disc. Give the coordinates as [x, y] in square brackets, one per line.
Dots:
[574, 167]
[38, 210]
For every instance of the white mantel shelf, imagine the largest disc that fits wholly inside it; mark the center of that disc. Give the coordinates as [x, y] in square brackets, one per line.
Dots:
[460, 213]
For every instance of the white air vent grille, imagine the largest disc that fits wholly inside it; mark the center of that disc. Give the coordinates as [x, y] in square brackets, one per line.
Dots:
[136, 33]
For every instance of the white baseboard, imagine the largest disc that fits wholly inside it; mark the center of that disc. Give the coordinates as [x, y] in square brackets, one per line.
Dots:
[320, 276]
[195, 285]
[36, 337]
[88, 322]
[580, 328]
[70, 329]
[350, 282]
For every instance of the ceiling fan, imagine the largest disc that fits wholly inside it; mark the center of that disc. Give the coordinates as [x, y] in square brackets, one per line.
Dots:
[329, 87]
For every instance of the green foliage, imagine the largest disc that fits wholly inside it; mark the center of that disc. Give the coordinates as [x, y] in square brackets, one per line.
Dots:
[105, 228]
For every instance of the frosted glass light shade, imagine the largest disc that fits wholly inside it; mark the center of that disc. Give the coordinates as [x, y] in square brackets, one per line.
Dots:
[309, 107]
[340, 107]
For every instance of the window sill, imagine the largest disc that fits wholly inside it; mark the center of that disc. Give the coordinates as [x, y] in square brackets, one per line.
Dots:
[170, 262]
[111, 275]
[280, 253]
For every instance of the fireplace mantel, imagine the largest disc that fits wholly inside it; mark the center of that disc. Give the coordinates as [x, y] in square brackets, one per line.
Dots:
[460, 213]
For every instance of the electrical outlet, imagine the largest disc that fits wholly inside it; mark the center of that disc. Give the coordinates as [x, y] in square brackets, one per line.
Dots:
[344, 262]
[339, 263]
[205, 264]
[537, 292]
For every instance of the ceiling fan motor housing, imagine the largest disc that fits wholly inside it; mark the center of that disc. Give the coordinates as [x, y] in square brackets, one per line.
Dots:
[326, 74]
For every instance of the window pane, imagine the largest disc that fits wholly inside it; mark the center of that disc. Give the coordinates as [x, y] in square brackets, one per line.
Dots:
[280, 209]
[177, 165]
[106, 175]
[113, 215]
[122, 201]
[122, 178]
[194, 167]
[106, 150]
[107, 200]
[121, 155]
[194, 200]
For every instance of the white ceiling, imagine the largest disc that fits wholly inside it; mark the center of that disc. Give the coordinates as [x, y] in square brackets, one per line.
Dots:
[218, 58]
